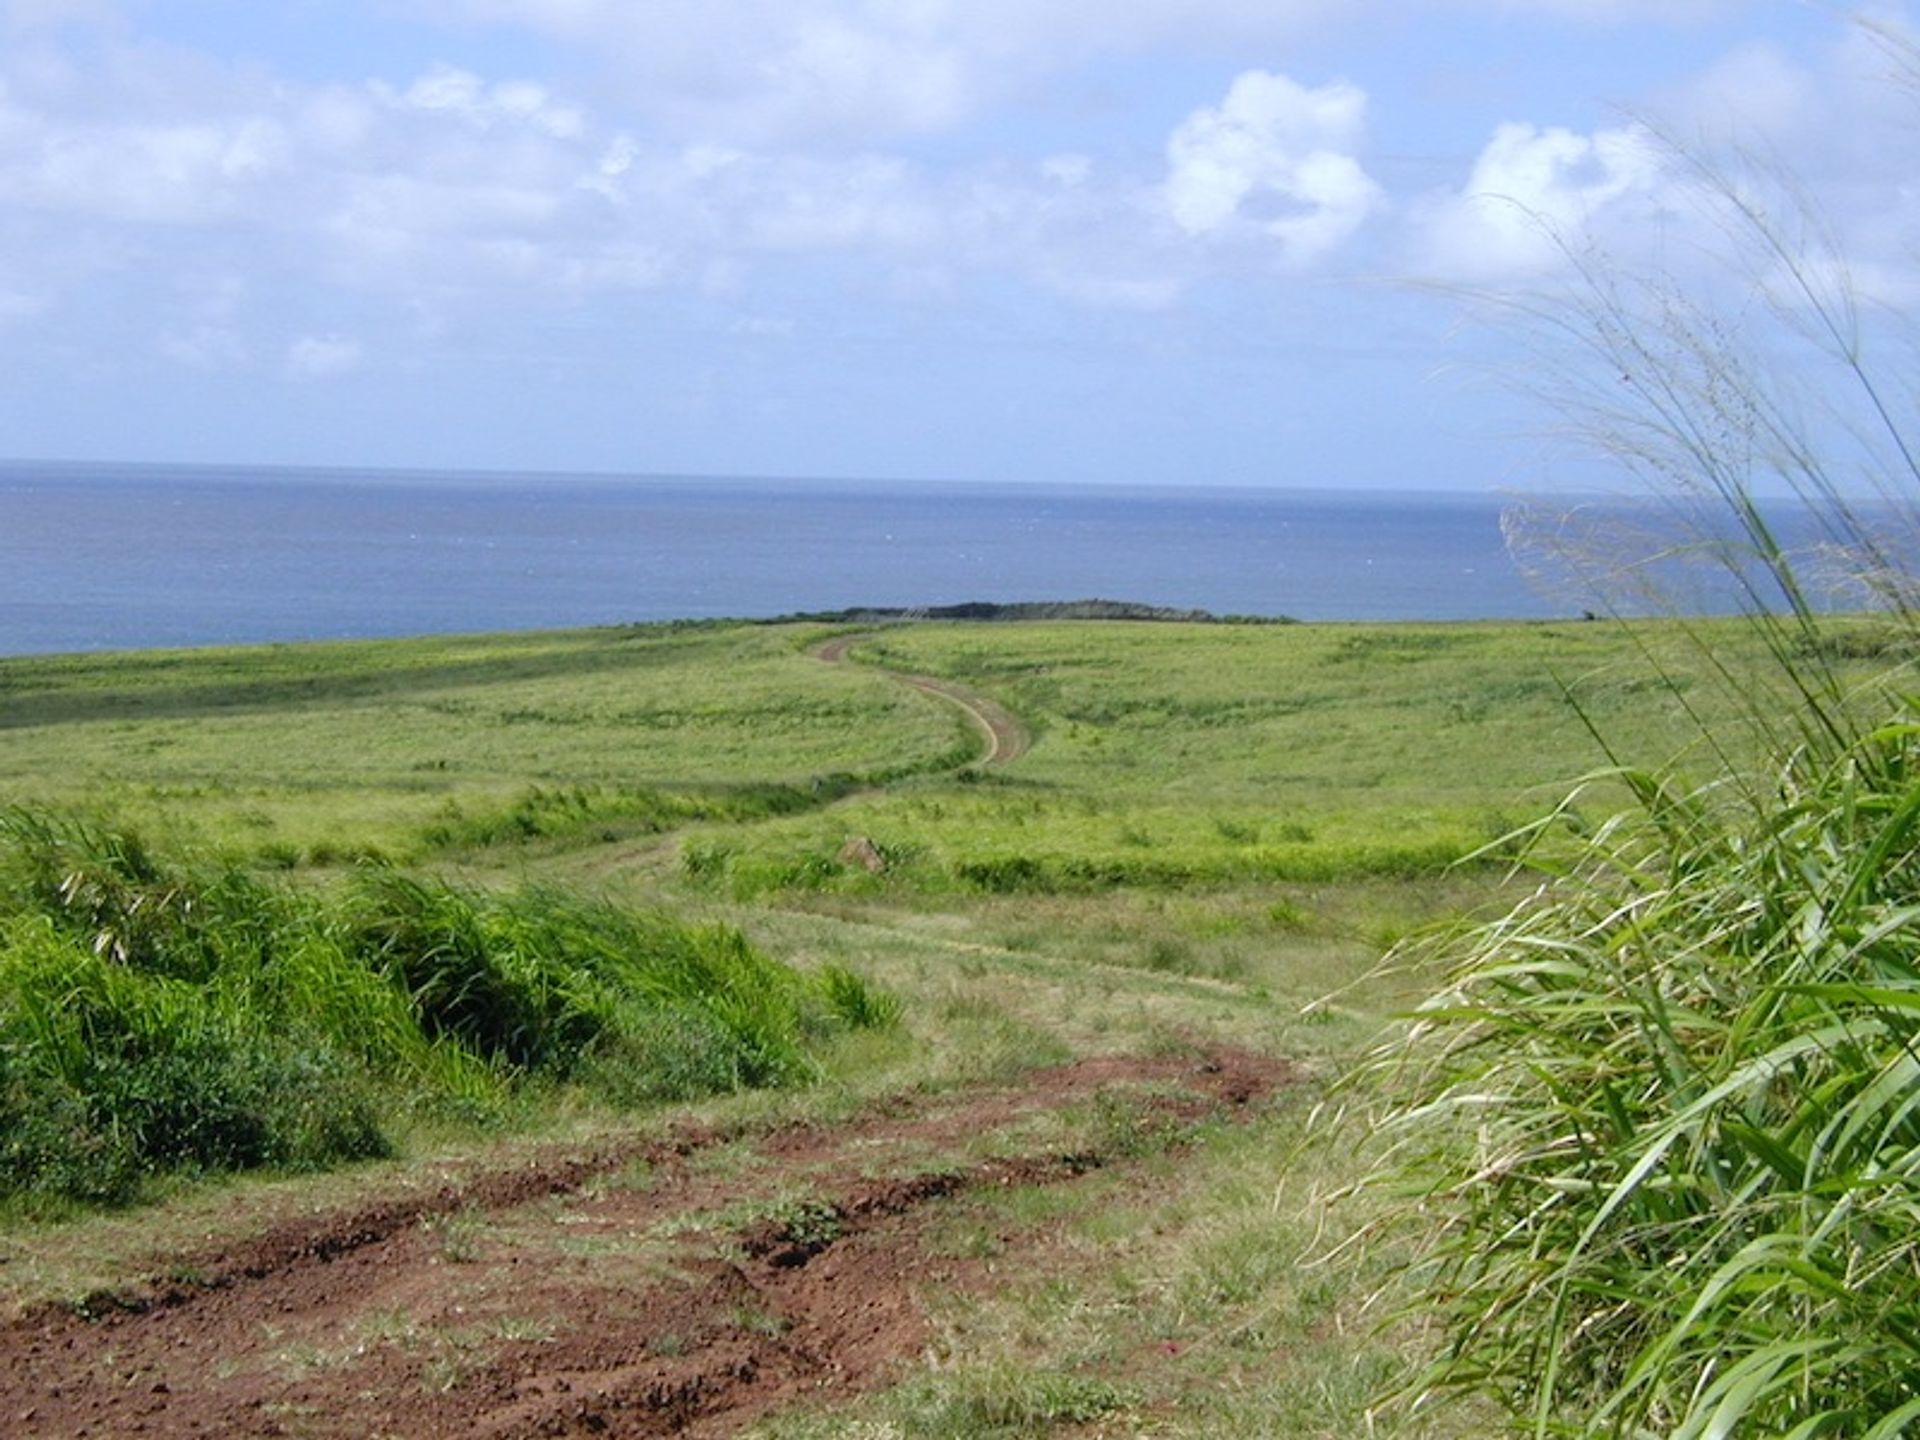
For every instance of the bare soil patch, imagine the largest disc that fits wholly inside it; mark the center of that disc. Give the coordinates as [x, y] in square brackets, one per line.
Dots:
[666, 1288]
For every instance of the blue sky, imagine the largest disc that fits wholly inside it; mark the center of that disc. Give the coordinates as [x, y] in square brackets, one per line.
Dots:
[1137, 241]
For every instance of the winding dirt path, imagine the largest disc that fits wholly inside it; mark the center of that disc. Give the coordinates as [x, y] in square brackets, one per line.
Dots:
[1007, 739]
[682, 1287]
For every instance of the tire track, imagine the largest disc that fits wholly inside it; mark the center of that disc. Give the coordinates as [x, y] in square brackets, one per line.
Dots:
[1007, 739]
[587, 1298]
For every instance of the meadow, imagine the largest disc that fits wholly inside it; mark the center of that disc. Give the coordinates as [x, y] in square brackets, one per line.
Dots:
[549, 867]
[300, 753]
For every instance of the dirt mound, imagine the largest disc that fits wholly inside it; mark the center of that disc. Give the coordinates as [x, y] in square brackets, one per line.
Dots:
[678, 1287]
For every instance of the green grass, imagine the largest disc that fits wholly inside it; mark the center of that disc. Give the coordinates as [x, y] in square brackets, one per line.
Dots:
[324, 752]
[1185, 1302]
[1660, 1132]
[1177, 756]
[159, 1016]
[1217, 833]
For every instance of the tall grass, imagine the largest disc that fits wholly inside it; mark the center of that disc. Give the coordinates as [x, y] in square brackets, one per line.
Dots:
[159, 1016]
[1658, 1134]
[1662, 1125]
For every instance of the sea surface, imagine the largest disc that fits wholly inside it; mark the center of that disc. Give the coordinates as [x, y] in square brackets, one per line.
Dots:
[123, 556]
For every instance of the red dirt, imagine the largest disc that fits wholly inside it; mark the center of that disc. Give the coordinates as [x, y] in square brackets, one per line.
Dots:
[562, 1300]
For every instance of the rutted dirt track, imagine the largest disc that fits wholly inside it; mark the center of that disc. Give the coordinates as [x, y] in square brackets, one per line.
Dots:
[1006, 737]
[683, 1287]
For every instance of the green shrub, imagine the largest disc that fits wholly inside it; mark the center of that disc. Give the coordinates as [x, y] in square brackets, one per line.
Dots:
[465, 984]
[536, 979]
[113, 1074]
[157, 1017]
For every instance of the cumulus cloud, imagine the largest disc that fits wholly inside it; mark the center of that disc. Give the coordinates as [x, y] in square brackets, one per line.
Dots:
[1273, 156]
[445, 187]
[1533, 193]
[319, 357]
[754, 144]
[783, 71]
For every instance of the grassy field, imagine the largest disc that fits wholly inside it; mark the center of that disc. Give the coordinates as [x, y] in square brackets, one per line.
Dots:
[1216, 833]
[1176, 754]
[319, 752]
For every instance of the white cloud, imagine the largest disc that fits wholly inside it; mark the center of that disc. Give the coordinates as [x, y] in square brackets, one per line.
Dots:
[1275, 145]
[1753, 93]
[333, 122]
[1810, 139]
[753, 143]
[178, 172]
[786, 71]
[1533, 193]
[870, 201]
[848, 79]
[781, 71]
[319, 357]
[461, 93]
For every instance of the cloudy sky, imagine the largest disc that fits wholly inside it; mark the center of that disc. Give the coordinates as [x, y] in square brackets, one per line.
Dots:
[1142, 241]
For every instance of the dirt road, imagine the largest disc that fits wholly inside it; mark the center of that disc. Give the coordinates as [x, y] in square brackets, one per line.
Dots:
[683, 1287]
[1007, 739]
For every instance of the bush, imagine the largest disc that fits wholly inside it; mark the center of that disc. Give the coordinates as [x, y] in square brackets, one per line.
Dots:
[112, 1074]
[853, 1001]
[158, 1017]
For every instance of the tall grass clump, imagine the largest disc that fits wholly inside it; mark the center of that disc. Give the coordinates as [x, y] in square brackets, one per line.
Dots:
[164, 1017]
[156, 1019]
[546, 982]
[1657, 1135]
[1662, 1123]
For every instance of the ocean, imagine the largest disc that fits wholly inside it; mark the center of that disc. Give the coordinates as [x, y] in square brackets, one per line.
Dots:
[125, 556]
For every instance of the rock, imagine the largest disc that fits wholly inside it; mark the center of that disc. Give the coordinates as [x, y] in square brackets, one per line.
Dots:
[861, 851]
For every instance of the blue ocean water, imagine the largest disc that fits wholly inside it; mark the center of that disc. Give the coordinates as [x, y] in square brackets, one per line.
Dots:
[123, 556]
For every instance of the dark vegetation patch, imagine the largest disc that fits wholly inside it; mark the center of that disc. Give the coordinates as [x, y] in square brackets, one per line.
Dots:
[191, 683]
[1029, 610]
[1292, 855]
[161, 1016]
[601, 813]
[1377, 646]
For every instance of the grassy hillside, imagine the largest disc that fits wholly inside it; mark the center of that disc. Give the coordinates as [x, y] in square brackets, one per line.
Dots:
[325, 750]
[1215, 834]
